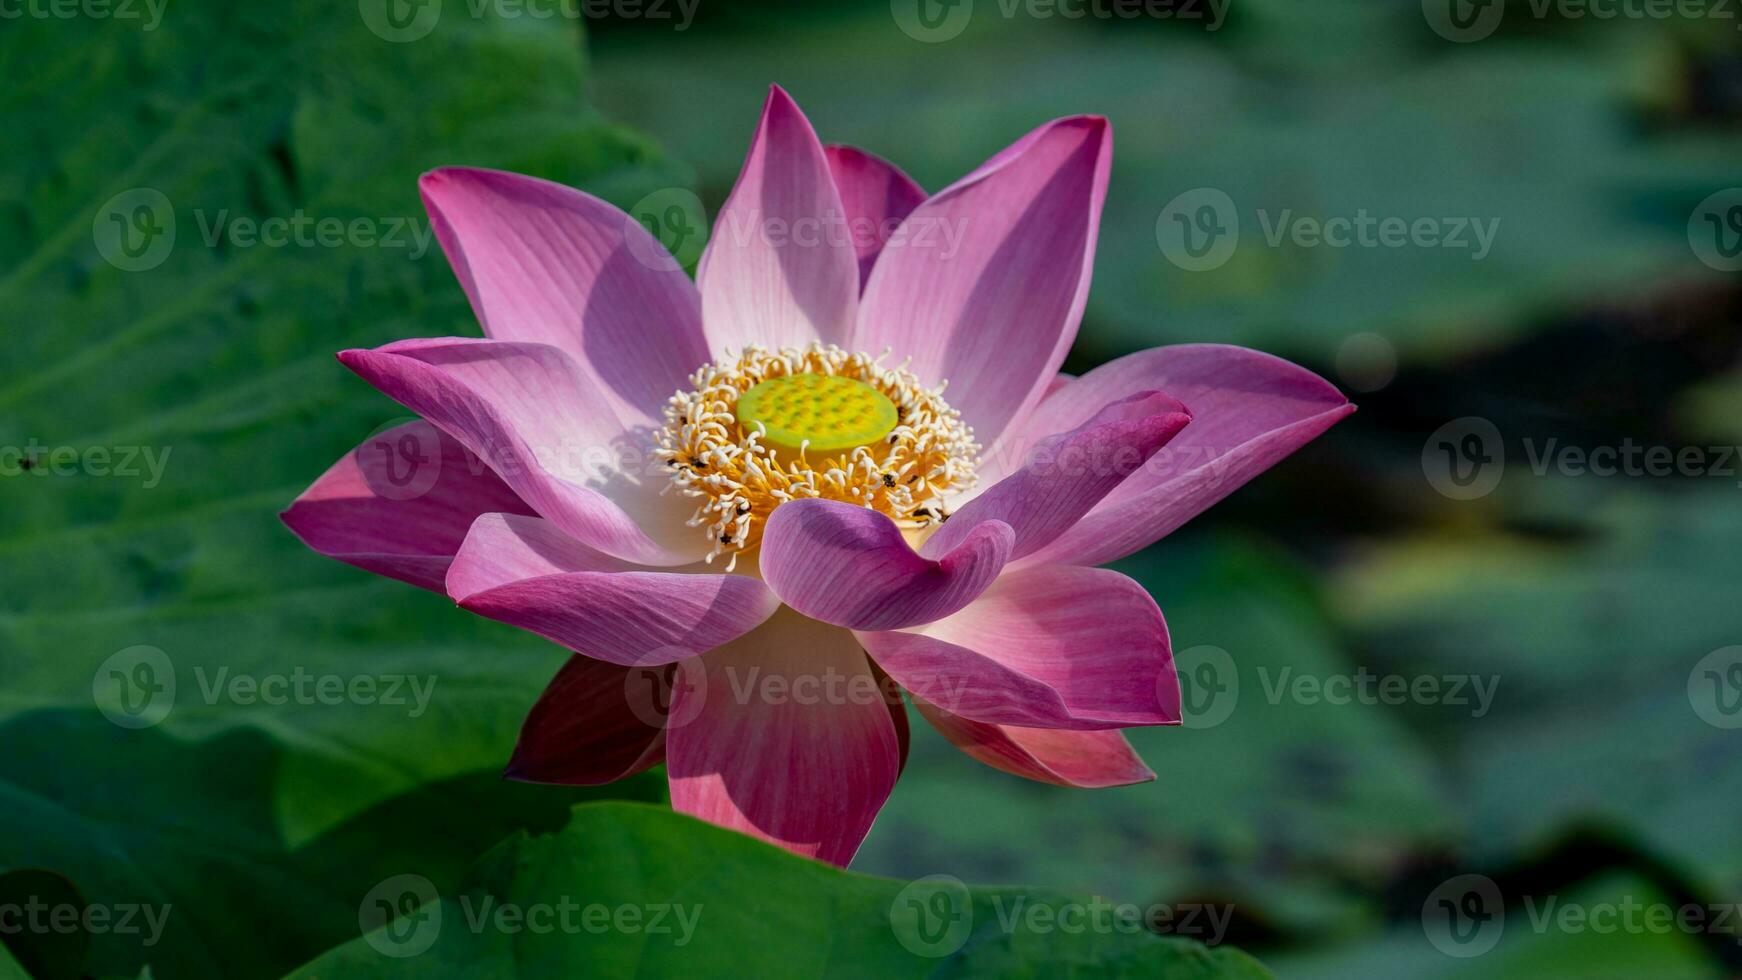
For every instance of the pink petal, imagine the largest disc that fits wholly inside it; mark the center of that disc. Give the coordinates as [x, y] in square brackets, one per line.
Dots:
[527, 412]
[780, 270]
[596, 723]
[1055, 646]
[1089, 760]
[400, 504]
[850, 566]
[548, 264]
[876, 196]
[988, 286]
[525, 572]
[792, 741]
[1066, 475]
[1250, 410]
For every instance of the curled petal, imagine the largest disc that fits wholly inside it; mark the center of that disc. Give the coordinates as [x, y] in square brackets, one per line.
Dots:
[525, 410]
[1046, 647]
[400, 504]
[1065, 476]
[1249, 410]
[1088, 760]
[850, 566]
[524, 572]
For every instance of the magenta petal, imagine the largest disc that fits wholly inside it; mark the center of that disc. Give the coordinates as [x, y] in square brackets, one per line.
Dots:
[779, 269]
[525, 572]
[548, 264]
[527, 412]
[850, 566]
[1050, 647]
[596, 723]
[1088, 760]
[1250, 410]
[1064, 476]
[998, 262]
[400, 504]
[786, 737]
[876, 195]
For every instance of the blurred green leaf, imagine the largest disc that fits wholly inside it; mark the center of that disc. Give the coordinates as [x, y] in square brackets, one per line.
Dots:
[1595, 642]
[1293, 812]
[701, 901]
[257, 823]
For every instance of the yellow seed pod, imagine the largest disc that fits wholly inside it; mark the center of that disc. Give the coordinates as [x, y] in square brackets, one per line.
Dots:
[821, 412]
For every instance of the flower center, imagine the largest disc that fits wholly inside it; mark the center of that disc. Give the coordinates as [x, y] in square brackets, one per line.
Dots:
[767, 427]
[818, 412]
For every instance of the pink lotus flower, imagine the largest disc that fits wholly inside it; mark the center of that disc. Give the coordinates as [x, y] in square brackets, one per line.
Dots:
[722, 486]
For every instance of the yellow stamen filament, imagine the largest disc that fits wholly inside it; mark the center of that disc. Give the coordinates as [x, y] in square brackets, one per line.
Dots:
[732, 453]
